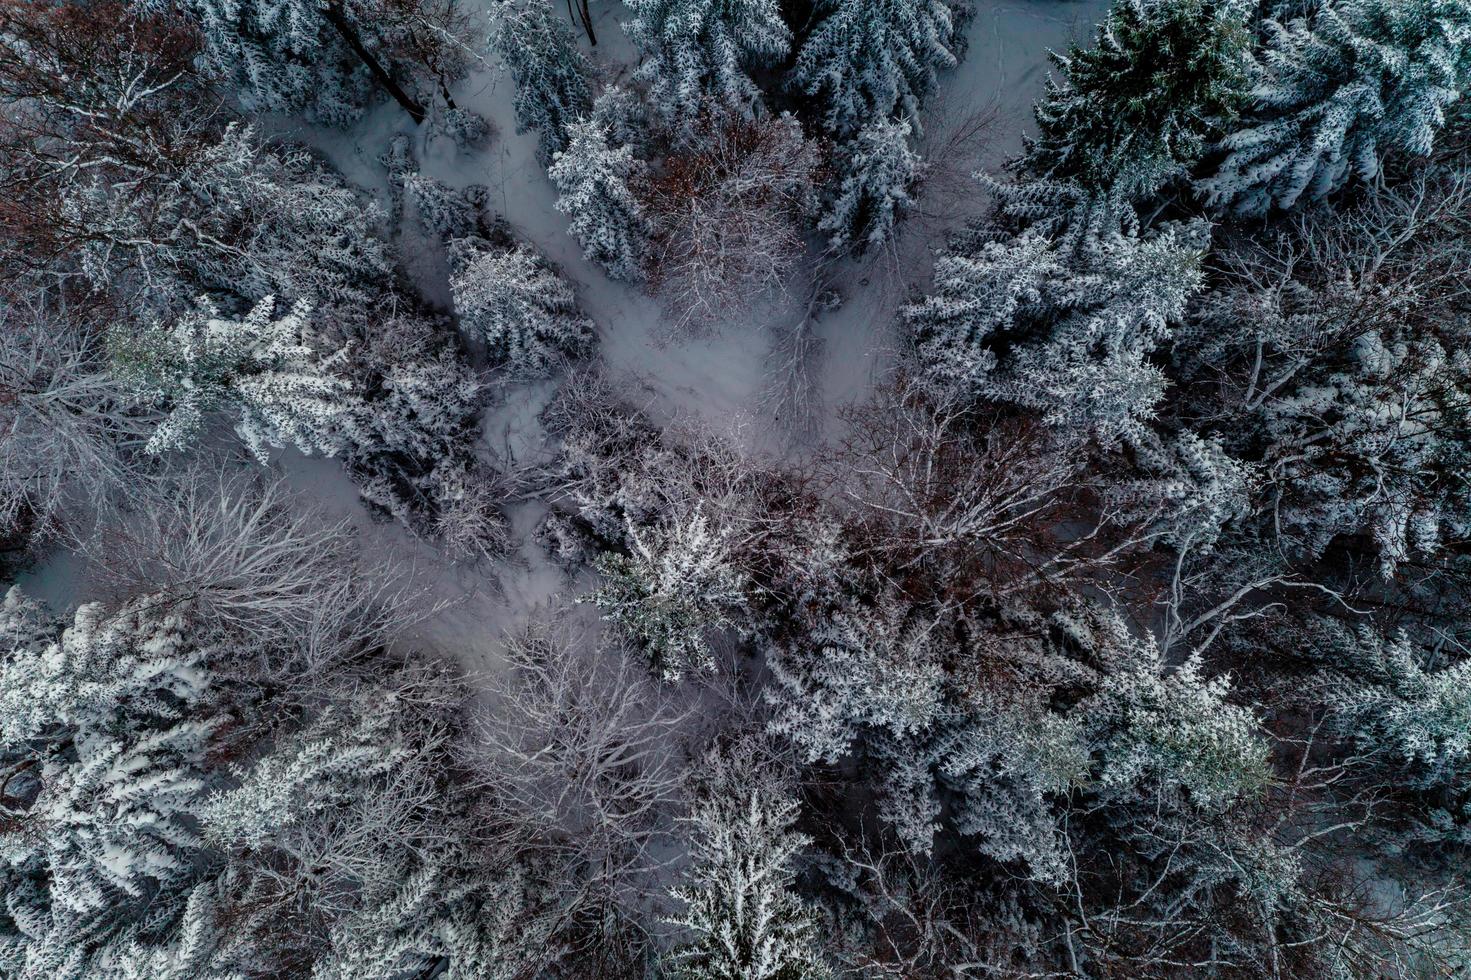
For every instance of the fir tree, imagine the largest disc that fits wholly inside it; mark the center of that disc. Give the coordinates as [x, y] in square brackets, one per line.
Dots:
[1131, 114]
[1337, 90]
[870, 60]
[549, 72]
[525, 313]
[743, 921]
[260, 369]
[677, 583]
[698, 54]
[594, 178]
[878, 171]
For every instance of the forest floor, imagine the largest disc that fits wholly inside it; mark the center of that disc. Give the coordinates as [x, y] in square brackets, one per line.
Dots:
[718, 378]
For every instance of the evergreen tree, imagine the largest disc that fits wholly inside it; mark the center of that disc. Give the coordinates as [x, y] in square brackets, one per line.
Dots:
[525, 313]
[442, 209]
[1131, 114]
[743, 920]
[677, 582]
[1079, 335]
[550, 74]
[878, 171]
[697, 54]
[594, 177]
[262, 370]
[1337, 90]
[104, 733]
[872, 60]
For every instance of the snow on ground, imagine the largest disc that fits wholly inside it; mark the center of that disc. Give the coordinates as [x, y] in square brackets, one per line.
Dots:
[719, 378]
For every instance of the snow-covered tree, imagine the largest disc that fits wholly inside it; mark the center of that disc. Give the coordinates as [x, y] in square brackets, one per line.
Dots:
[697, 55]
[1338, 88]
[332, 812]
[524, 312]
[550, 74]
[878, 170]
[448, 917]
[742, 919]
[260, 369]
[873, 60]
[865, 668]
[105, 734]
[678, 582]
[442, 210]
[594, 175]
[1173, 725]
[1131, 114]
[328, 55]
[1387, 699]
[730, 215]
[1093, 327]
[71, 431]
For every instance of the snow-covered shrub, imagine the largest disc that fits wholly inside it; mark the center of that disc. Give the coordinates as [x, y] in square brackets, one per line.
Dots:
[442, 210]
[469, 130]
[513, 301]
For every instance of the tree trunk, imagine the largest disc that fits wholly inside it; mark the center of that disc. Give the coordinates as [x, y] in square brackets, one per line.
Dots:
[338, 19]
[580, 13]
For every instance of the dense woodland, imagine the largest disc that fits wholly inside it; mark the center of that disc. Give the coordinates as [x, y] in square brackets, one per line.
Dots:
[1120, 629]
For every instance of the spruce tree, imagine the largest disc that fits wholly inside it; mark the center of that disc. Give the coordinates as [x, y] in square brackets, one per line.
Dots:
[549, 72]
[1336, 90]
[870, 60]
[698, 55]
[1131, 114]
[261, 369]
[742, 919]
[594, 177]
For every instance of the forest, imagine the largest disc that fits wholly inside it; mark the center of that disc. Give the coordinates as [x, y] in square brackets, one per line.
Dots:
[735, 489]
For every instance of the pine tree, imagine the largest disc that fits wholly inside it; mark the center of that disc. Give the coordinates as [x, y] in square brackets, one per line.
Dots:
[525, 313]
[873, 60]
[698, 53]
[261, 370]
[594, 178]
[550, 74]
[1336, 91]
[878, 170]
[1131, 114]
[677, 582]
[743, 920]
